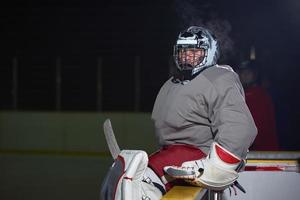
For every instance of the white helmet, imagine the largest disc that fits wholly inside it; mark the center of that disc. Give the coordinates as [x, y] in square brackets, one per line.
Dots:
[196, 38]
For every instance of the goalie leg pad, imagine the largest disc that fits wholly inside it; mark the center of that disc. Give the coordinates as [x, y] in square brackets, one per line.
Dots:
[125, 179]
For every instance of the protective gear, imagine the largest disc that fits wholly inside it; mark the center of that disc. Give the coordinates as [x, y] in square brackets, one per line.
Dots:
[203, 47]
[125, 179]
[217, 171]
[173, 155]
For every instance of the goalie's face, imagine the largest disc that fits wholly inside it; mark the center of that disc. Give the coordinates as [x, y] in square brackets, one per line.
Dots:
[190, 57]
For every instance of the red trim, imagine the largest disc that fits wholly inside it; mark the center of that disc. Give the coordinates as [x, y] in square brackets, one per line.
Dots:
[128, 178]
[225, 156]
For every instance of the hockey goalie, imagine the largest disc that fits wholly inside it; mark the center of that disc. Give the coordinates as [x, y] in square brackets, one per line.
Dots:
[202, 123]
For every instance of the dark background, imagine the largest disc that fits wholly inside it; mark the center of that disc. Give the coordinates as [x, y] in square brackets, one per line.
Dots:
[38, 33]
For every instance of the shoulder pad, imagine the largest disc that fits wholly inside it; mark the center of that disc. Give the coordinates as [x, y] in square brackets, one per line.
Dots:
[227, 67]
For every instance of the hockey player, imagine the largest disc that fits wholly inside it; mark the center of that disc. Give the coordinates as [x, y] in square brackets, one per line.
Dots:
[200, 116]
[202, 123]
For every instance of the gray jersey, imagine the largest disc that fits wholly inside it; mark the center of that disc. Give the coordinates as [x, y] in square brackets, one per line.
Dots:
[210, 107]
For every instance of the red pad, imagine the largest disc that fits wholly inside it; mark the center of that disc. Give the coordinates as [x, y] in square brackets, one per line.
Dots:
[225, 156]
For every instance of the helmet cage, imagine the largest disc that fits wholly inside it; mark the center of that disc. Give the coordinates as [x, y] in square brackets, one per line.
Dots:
[197, 62]
[196, 38]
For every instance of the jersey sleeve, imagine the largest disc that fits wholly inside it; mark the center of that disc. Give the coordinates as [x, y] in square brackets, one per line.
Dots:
[232, 124]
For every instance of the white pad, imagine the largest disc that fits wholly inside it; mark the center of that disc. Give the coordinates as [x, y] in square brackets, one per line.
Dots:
[125, 178]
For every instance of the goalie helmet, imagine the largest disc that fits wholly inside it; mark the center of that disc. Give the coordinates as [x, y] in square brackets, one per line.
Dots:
[196, 48]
